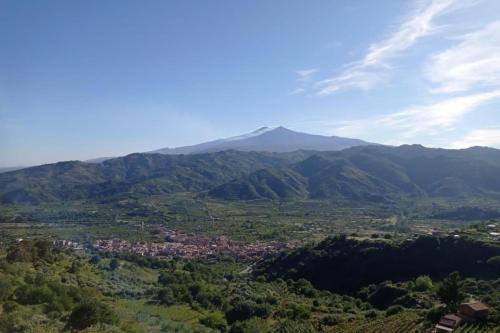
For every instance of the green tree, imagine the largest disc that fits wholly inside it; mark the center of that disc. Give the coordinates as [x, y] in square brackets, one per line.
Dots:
[6, 289]
[114, 264]
[95, 259]
[21, 252]
[451, 292]
[241, 310]
[423, 283]
[90, 313]
[494, 262]
[215, 321]
[253, 325]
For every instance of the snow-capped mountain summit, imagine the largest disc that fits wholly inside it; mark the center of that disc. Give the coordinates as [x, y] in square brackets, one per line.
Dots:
[272, 139]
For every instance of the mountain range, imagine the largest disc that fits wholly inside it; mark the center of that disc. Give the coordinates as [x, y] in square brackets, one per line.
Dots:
[271, 139]
[370, 173]
[265, 139]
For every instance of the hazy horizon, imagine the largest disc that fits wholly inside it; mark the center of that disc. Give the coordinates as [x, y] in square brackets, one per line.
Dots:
[82, 80]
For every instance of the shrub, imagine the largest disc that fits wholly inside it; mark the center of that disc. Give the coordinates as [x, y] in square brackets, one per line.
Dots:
[10, 306]
[95, 259]
[331, 320]
[240, 311]
[29, 294]
[393, 309]
[423, 283]
[372, 314]
[435, 314]
[215, 321]
[261, 279]
[166, 296]
[90, 313]
[6, 289]
[114, 264]
[494, 262]
[385, 295]
[253, 325]
[291, 326]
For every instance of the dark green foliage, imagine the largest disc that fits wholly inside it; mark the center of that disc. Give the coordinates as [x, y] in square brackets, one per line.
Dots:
[253, 325]
[6, 289]
[291, 326]
[215, 321]
[190, 285]
[423, 283]
[298, 312]
[53, 294]
[268, 183]
[244, 310]
[31, 251]
[374, 174]
[10, 306]
[332, 320]
[370, 174]
[385, 295]
[149, 262]
[393, 309]
[451, 291]
[114, 264]
[435, 313]
[91, 313]
[135, 174]
[345, 265]
[36, 294]
[494, 262]
[95, 259]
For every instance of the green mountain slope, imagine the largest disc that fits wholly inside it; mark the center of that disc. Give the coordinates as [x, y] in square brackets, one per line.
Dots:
[137, 174]
[380, 173]
[344, 265]
[368, 173]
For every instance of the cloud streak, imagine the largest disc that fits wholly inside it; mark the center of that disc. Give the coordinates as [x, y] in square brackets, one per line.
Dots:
[372, 69]
[305, 74]
[473, 63]
[429, 119]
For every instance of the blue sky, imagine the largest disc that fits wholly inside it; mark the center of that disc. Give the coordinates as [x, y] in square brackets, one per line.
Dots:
[82, 79]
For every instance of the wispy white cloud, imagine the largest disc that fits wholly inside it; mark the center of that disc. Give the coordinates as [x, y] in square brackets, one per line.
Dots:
[297, 91]
[373, 68]
[304, 77]
[305, 74]
[437, 116]
[471, 64]
[489, 137]
[429, 119]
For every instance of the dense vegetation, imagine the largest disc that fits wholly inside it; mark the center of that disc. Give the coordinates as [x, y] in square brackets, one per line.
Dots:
[134, 175]
[344, 265]
[383, 277]
[359, 174]
[375, 174]
[44, 289]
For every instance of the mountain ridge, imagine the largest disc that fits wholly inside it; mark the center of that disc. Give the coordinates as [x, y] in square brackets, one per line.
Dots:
[270, 139]
[362, 174]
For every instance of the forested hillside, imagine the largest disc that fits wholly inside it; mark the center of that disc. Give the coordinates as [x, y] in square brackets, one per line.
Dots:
[136, 174]
[341, 264]
[376, 174]
[361, 174]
